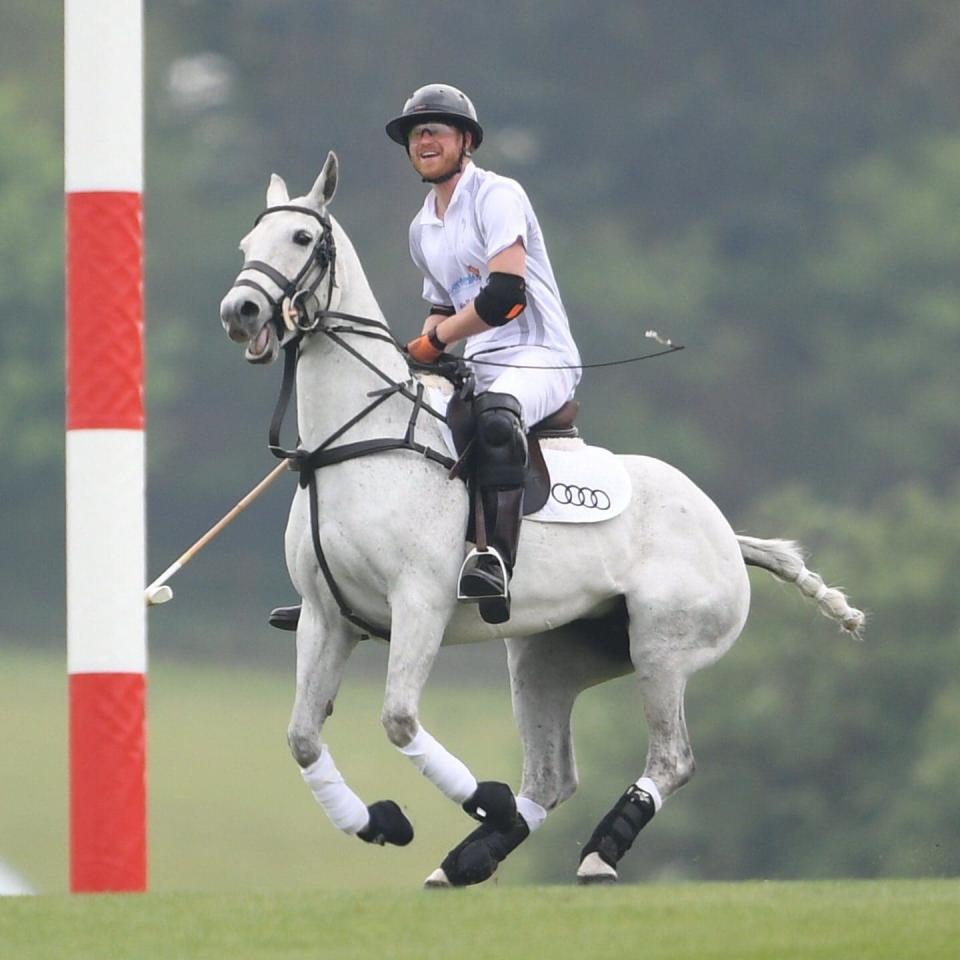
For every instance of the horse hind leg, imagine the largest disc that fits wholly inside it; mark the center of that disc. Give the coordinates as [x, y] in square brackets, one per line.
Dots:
[669, 766]
[673, 633]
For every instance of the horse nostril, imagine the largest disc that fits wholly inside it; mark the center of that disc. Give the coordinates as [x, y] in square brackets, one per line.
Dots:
[249, 309]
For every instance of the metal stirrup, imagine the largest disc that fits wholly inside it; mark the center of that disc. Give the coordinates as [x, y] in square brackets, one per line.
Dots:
[488, 552]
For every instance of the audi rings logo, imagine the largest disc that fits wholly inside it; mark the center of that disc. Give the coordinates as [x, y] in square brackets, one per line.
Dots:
[580, 496]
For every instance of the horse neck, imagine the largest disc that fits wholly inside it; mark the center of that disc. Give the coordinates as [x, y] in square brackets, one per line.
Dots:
[333, 385]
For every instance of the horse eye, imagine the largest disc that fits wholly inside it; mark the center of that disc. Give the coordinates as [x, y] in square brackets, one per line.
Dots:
[302, 238]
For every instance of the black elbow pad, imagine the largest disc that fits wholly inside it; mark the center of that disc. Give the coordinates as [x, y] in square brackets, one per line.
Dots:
[503, 299]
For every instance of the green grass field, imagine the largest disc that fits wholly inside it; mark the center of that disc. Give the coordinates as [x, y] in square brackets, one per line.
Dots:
[227, 808]
[886, 920]
[243, 863]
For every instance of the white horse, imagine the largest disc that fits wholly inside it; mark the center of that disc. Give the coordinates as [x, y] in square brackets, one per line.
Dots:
[661, 589]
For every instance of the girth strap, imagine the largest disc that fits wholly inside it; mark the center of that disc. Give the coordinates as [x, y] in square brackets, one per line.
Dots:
[345, 610]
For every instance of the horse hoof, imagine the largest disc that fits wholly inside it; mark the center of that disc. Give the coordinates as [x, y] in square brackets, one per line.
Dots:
[388, 824]
[594, 871]
[600, 880]
[494, 803]
[437, 881]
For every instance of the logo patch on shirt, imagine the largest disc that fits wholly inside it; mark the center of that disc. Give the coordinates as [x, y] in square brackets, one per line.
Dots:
[469, 279]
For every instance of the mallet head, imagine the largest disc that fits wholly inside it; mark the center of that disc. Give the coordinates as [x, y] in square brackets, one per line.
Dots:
[158, 595]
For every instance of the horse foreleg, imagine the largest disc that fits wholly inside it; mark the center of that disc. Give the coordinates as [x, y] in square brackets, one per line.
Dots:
[414, 641]
[323, 647]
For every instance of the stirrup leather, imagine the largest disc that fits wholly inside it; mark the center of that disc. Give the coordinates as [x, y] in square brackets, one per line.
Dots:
[466, 568]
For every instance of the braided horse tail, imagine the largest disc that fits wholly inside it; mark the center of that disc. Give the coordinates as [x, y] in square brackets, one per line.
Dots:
[784, 559]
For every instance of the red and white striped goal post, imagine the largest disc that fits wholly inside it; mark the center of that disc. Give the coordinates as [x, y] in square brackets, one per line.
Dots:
[106, 619]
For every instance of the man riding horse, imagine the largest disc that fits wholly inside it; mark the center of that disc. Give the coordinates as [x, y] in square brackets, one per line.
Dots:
[660, 588]
[488, 280]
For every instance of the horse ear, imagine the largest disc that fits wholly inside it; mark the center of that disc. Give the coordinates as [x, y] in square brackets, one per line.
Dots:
[277, 193]
[326, 184]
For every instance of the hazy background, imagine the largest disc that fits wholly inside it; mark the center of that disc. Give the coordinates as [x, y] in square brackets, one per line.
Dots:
[774, 185]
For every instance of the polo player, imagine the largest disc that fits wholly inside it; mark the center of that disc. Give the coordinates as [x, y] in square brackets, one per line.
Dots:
[489, 282]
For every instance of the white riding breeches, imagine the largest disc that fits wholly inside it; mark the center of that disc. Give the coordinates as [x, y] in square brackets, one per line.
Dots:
[540, 391]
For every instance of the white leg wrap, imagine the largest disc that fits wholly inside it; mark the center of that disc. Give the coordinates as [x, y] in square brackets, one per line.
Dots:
[448, 774]
[645, 783]
[345, 809]
[532, 813]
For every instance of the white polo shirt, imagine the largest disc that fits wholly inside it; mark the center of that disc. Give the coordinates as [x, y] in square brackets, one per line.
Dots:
[487, 214]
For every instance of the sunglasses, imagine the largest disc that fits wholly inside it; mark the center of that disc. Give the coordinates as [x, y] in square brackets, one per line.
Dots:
[422, 130]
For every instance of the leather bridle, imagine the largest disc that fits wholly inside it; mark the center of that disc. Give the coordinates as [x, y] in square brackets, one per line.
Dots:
[290, 311]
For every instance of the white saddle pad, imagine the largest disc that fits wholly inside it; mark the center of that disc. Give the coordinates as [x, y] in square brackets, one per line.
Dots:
[587, 484]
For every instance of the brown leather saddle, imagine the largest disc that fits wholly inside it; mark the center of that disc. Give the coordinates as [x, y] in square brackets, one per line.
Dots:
[560, 424]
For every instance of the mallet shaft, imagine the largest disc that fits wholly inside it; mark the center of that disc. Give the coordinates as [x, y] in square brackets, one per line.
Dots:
[216, 529]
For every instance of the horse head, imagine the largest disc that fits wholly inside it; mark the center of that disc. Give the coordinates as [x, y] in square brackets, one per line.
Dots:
[289, 269]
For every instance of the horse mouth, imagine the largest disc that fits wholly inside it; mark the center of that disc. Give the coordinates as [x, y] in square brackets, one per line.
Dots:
[263, 347]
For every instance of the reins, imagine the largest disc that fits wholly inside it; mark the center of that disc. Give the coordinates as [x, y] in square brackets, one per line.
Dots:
[673, 348]
[650, 335]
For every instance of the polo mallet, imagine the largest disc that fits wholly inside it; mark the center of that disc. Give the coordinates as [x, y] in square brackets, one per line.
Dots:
[158, 592]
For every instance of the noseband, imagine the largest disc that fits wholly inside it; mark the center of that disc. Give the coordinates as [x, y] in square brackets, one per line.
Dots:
[290, 310]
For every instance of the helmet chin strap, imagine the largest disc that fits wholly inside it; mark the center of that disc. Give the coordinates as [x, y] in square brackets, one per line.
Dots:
[443, 178]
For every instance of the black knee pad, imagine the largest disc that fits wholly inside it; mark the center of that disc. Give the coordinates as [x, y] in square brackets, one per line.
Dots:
[502, 453]
[486, 403]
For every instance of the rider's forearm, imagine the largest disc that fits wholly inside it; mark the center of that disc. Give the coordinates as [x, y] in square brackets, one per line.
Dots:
[465, 323]
[432, 322]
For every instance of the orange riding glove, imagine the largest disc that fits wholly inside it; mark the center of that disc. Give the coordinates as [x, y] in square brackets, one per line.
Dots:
[426, 349]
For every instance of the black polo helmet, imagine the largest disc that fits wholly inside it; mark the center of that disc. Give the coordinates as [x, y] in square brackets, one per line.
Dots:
[440, 102]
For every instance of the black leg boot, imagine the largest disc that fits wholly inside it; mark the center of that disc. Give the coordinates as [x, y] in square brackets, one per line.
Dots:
[501, 466]
[489, 578]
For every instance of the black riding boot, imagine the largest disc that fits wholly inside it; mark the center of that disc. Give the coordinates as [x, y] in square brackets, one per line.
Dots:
[486, 576]
[501, 465]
